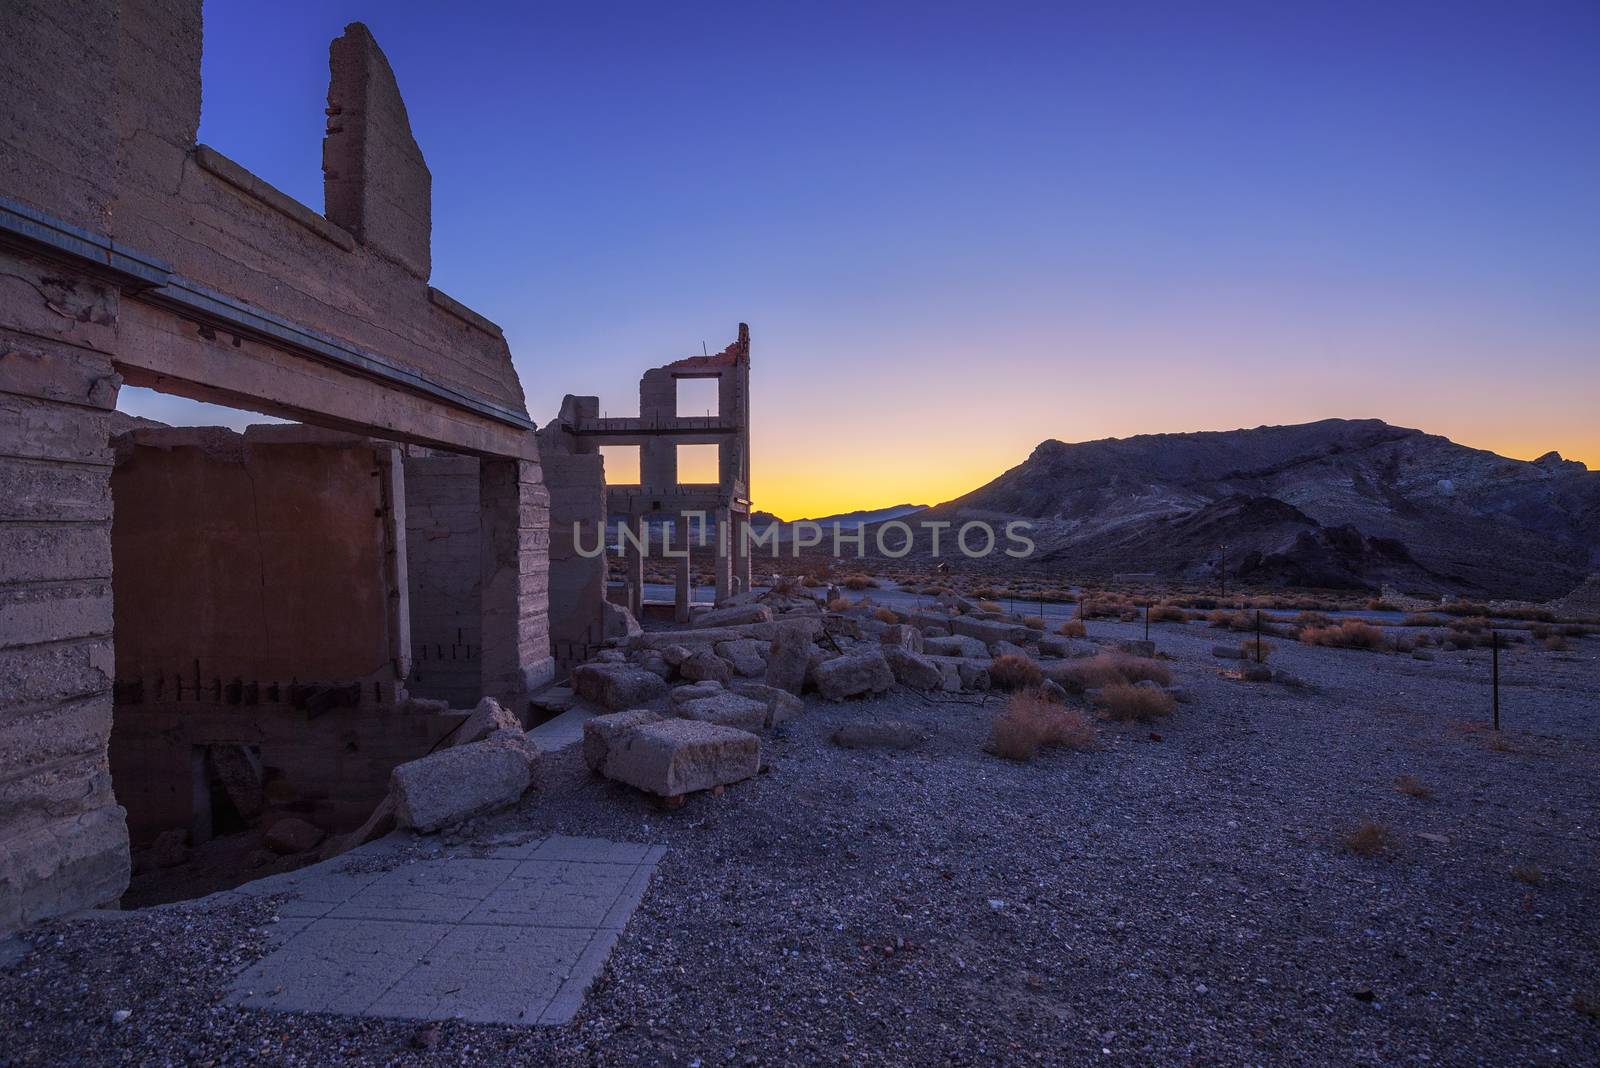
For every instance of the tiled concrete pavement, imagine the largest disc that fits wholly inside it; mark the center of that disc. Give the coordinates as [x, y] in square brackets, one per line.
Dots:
[564, 730]
[514, 936]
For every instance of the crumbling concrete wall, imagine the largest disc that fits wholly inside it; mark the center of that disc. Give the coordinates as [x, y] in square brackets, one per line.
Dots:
[376, 184]
[216, 223]
[443, 548]
[130, 253]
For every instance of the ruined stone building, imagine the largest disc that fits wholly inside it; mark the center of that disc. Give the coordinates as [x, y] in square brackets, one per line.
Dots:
[583, 503]
[241, 630]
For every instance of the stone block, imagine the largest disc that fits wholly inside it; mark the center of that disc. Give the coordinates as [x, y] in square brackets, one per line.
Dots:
[616, 686]
[704, 665]
[903, 635]
[728, 710]
[679, 756]
[853, 674]
[487, 718]
[782, 705]
[888, 734]
[694, 691]
[955, 645]
[788, 658]
[988, 631]
[737, 616]
[913, 669]
[747, 655]
[1137, 647]
[455, 784]
[600, 733]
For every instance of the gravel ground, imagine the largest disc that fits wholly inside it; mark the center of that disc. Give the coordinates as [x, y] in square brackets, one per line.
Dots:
[1185, 900]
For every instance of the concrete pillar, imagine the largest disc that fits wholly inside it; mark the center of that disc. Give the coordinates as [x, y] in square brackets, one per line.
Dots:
[515, 541]
[633, 566]
[724, 556]
[741, 560]
[681, 569]
[63, 837]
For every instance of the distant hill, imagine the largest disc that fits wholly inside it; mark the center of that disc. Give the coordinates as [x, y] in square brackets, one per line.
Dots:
[843, 520]
[1337, 503]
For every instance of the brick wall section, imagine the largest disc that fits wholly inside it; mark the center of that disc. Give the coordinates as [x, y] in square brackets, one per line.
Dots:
[515, 512]
[63, 842]
[444, 558]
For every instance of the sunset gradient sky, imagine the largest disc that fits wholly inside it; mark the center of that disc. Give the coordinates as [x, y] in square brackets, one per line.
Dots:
[959, 229]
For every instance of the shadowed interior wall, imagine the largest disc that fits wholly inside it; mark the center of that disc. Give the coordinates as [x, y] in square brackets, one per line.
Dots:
[444, 573]
[260, 607]
[236, 558]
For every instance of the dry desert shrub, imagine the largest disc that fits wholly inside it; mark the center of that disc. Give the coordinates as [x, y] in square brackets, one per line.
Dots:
[1356, 634]
[1411, 786]
[1423, 619]
[1368, 839]
[1032, 722]
[1105, 669]
[1556, 644]
[985, 593]
[1167, 613]
[1463, 608]
[1123, 702]
[886, 615]
[1254, 650]
[1072, 628]
[811, 582]
[838, 604]
[1036, 622]
[989, 606]
[1013, 672]
[859, 582]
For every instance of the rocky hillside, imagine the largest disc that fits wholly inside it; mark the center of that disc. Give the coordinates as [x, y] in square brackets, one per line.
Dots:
[1337, 503]
[841, 520]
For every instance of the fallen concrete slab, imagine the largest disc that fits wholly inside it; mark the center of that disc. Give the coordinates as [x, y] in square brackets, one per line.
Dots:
[679, 756]
[458, 783]
[616, 686]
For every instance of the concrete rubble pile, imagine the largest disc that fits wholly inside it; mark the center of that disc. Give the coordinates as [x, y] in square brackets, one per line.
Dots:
[685, 708]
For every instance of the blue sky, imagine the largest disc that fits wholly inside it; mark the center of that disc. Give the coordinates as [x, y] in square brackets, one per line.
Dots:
[958, 229]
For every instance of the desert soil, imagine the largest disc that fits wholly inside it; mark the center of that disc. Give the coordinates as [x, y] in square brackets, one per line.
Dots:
[1176, 897]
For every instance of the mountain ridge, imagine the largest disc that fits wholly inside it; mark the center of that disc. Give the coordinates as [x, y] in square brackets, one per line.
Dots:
[1370, 503]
